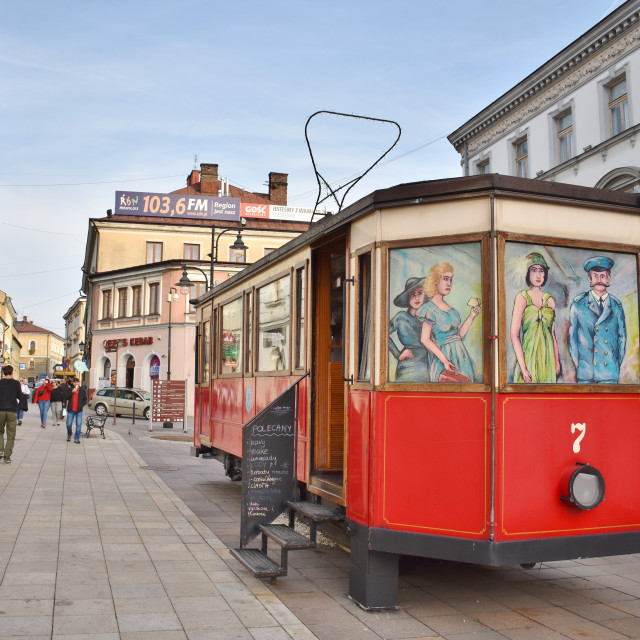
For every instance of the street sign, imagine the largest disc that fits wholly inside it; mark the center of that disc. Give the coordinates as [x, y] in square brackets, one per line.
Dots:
[169, 401]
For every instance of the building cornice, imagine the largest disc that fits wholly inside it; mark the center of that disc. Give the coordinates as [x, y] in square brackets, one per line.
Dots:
[614, 36]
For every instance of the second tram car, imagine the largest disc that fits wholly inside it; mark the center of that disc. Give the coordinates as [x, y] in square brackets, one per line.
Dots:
[473, 394]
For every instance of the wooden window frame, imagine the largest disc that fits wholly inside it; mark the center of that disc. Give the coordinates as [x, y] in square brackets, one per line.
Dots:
[256, 329]
[136, 300]
[487, 304]
[565, 134]
[521, 158]
[357, 383]
[191, 246]
[618, 102]
[220, 307]
[153, 247]
[154, 286]
[107, 296]
[123, 296]
[503, 313]
[298, 336]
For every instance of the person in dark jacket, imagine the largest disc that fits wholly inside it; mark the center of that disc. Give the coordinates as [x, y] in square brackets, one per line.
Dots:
[75, 405]
[56, 401]
[10, 396]
[24, 401]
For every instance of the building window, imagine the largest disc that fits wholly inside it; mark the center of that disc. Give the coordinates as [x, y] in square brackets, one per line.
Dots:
[136, 298]
[521, 148]
[191, 252]
[564, 131]
[197, 290]
[122, 302]
[154, 252]
[154, 299]
[618, 106]
[483, 166]
[106, 304]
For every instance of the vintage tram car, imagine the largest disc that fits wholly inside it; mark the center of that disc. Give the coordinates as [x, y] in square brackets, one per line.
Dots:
[472, 352]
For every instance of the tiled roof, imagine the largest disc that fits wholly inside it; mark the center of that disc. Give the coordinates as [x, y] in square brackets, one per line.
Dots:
[29, 327]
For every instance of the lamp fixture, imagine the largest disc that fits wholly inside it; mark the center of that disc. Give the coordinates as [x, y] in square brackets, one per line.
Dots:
[583, 486]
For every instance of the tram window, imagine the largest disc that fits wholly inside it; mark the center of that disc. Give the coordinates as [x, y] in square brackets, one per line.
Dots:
[300, 318]
[205, 344]
[274, 308]
[571, 313]
[364, 317]
[248, 331]
[435, 307]
[231, 336]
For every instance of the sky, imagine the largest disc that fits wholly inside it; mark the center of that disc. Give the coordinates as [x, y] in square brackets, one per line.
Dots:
[97, 97]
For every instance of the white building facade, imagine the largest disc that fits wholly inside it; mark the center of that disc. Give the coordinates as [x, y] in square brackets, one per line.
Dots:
[574, 120]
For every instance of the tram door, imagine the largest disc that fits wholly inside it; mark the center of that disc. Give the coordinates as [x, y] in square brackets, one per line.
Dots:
[328, 385]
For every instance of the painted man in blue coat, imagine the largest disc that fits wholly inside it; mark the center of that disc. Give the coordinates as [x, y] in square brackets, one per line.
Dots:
[597, 330]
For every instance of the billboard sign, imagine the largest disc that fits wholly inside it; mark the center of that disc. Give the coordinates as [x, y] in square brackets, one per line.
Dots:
[176, 205]
[275, 212]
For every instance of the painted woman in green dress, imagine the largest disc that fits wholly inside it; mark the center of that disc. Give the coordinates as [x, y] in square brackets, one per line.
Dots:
[533, 332]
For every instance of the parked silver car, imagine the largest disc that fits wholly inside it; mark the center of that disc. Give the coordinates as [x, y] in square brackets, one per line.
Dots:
[103, 401]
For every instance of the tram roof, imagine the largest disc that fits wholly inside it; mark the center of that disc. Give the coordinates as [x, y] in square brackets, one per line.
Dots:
[415, 193]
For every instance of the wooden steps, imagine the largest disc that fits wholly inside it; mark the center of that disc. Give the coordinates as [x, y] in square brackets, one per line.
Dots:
[257, 561]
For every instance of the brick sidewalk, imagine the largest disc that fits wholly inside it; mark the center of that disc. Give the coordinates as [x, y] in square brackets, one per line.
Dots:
[94, 545]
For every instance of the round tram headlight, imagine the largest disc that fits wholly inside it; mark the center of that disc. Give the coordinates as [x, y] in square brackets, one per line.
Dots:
[583, 486]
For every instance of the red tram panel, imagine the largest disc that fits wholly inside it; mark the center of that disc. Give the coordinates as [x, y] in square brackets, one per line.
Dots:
[536, 445]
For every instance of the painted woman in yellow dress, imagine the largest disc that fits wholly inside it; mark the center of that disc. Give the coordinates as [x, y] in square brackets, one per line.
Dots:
[533, 332]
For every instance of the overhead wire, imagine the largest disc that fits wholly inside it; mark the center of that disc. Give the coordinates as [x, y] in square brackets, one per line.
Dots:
[429, 142]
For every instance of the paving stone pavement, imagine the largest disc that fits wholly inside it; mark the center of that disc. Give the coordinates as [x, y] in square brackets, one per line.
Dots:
[597, 598]
[127, 538]
[94, 545]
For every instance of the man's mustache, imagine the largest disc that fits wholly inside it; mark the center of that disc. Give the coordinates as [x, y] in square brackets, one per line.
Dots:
[602, 284]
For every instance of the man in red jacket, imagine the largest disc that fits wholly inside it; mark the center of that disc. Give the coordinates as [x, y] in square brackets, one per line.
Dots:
[75, 404]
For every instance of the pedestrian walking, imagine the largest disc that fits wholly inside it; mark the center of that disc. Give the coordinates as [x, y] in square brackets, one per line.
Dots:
[10, 396]
[24, 401]
[43, 399]
[56, 401]
[75, 405]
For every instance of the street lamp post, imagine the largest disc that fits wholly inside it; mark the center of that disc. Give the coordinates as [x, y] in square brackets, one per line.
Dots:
[169, 300]
[184, 284]
[238, 246]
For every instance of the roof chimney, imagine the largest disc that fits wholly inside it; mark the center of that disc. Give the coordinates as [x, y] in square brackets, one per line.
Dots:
[209, 183]
[193, 178]
[278, 188]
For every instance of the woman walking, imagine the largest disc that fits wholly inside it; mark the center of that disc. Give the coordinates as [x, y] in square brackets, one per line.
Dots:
[43, 398]
[56, 401]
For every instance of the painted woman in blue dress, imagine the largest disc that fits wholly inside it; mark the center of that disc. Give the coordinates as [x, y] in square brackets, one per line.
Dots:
[413, 358]
[443, 330]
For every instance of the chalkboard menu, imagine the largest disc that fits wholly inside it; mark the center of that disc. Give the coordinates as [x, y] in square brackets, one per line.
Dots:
[268, 444]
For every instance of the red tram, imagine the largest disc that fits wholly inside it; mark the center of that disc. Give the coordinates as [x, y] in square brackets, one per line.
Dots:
[473, 394]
